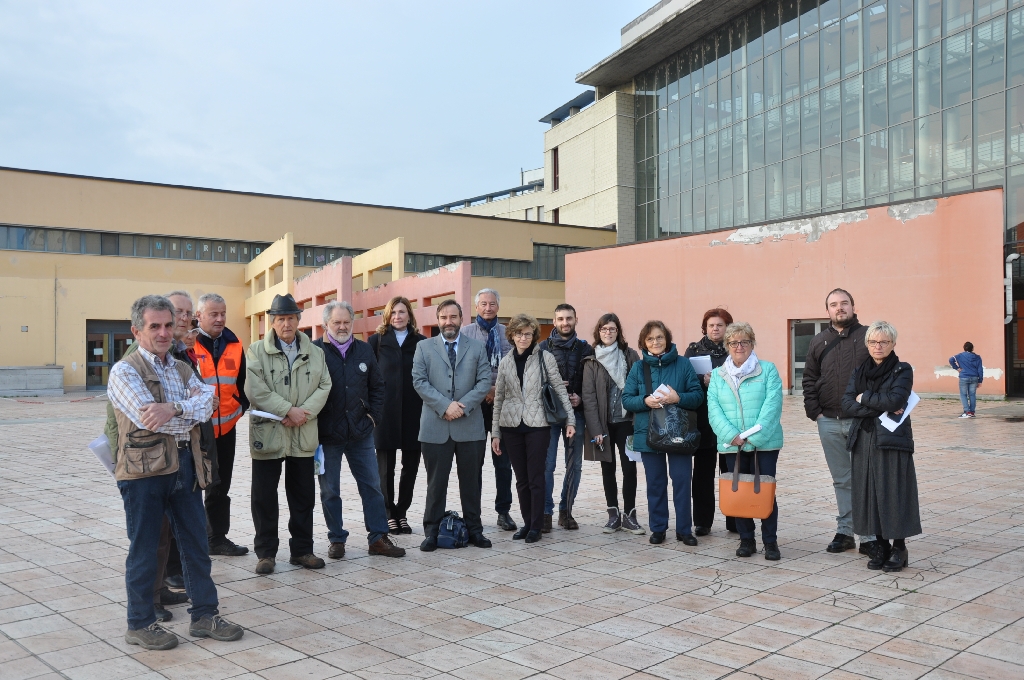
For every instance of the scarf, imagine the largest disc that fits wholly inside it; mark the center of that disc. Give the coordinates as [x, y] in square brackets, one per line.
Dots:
[614, 361]
[493, 341]
[737, 373]
[556, 341]
[342, 347]
[870, 377]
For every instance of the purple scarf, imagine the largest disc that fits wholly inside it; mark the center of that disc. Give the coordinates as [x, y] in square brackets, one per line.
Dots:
[342, 347]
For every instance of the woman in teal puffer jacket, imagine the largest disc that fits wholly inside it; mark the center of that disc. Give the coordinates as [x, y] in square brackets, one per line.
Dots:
[675, 372]
[745, 392]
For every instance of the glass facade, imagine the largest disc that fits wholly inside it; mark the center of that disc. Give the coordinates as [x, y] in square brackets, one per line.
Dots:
[807, 106]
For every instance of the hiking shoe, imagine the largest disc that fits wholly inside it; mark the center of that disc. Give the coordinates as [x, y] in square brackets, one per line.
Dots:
[561, 518]
[153, 637]
[309, 561]
[386, 548]
[748, 547]
[266, 565]
[506, 523]
[227, 547]
[771, 552]
[841, 543]
[547, 525]
[336, 551]
[630, 524]
[571, 523]
[217, 628]
[161, 613]
[614, 521]
[403, 526]
[168, 596]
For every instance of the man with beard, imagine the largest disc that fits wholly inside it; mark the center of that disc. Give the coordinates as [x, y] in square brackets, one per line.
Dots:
[569, 352]
[452, 376]
[831, 357]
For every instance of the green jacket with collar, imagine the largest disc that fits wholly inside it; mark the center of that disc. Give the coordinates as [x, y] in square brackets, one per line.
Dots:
[734, 410]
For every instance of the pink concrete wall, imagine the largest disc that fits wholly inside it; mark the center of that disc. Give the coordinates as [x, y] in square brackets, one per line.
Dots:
[332, 279]
[934, 269]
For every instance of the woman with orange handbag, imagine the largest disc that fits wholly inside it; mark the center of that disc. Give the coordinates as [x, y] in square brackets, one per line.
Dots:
[746, 393]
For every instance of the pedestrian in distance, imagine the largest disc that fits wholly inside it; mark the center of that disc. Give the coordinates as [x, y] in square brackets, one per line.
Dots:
[885, 498]
[452, 375]
[972, 374]
[609, 423]
[831, 357]
[345, 427]
[711, 345]
[746, 392]
[394, 345]
[682, 387]
[286, 377]
[570, 351]
[487, 330]
[521, 429]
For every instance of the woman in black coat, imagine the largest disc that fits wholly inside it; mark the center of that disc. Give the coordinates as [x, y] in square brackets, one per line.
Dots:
[885, 501]
[394, 344]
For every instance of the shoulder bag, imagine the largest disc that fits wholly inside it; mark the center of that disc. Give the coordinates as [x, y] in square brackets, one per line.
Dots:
[748, 496]
[554, 410]
[671, 428]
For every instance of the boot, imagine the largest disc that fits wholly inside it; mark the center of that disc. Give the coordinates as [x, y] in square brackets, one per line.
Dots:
[614, 521]
[883, 550]
[547, 525]
[561, 518]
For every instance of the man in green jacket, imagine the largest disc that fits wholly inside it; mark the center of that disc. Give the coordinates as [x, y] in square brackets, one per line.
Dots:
[286, 378]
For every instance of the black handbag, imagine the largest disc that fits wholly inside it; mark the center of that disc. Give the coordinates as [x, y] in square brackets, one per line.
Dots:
[554, 410]
[671, 428]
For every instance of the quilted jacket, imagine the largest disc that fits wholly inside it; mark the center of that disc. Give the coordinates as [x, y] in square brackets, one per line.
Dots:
[758, 400]
[515, 404]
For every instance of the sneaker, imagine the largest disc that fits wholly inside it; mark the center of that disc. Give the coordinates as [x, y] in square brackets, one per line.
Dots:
[386, 548]
[217, 628]
[771, 552]
[309, 561]
[970, 414]
[965, 415]
[614, 521]
[266, 565]
[153, 637]
[630, 524]
[161, 613]
[394, 527]
[336, 551]
[403, 526]
[227, 547]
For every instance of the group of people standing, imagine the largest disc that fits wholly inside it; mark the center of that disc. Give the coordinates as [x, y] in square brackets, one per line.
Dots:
[438, 400]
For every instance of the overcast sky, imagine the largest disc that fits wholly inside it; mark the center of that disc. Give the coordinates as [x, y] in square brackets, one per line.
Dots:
[395, 103]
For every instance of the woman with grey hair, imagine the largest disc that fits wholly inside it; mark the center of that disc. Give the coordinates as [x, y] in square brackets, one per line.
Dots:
[885, 499]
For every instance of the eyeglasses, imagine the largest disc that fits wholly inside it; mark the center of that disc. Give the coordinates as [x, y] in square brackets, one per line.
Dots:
[609, 329]
[182, 312]
[523, 336]
[736, 344]
[879, 343]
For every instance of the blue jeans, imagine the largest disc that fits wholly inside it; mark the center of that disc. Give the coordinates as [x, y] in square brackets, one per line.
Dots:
[658, 467]
[573, 466]
[362, 463]
[766, 462]
[146, 501]
[968, 392]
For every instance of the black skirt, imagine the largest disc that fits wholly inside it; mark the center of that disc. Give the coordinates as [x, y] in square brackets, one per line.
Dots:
[885, 499]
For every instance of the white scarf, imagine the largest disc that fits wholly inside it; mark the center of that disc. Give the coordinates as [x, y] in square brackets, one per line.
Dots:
[614, 361]
[737, 373]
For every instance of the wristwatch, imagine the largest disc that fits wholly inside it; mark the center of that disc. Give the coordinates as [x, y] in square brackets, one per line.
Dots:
[178, 409]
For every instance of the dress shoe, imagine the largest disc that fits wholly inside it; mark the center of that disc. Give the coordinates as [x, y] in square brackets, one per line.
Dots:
[657, 537]
[533, 536]
[771, 552]
[161, 613]
[308, 561]
[882, 552]
[177, 582]
[227, 547]
[505, 522]
[480, 541]
[403, 526]
[561, 518]
[687, 539]
[336, 551]
[868, 548]
[386, 548]
[168, 596]
[521, 534]
[701, 531]
[547, 525]
[841, 543]
[748, 547]
[429, 544]
[898, 559]
[266, 565]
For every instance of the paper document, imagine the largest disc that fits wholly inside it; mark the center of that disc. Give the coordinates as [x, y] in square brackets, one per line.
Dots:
[701, 365]
[746, 433]
[101, 449]
[264, 414]
[318, 460]
[662, 391]
[890, 424]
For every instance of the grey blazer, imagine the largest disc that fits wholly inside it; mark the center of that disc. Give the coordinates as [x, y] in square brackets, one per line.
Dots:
[432, 380]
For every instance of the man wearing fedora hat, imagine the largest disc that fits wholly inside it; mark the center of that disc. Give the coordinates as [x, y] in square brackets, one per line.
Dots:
[287, 378]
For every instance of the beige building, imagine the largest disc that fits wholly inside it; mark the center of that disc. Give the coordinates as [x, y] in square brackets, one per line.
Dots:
[76, 251]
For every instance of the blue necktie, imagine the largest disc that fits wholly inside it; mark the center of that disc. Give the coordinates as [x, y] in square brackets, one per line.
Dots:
[451, 353]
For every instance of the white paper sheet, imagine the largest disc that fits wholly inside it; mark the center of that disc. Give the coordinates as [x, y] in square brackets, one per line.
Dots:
[746, 433]
[662, 391]
[101, 449]
[890, 424]
[701, 365]
[265, 414]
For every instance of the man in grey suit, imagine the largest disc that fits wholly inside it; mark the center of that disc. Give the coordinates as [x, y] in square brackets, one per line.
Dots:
[452, 376]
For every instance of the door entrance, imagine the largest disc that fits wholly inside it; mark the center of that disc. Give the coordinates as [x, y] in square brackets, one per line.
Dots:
[105, 344]
[800, 333]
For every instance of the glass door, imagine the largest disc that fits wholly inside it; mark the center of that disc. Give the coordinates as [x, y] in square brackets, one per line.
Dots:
[801, 331]
[105, 344]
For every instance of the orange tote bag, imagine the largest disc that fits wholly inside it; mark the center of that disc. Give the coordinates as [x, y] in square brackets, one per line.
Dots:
[748, 496]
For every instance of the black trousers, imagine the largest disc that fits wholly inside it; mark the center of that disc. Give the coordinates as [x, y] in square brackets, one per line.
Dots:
[618, 433]
[527, 451]
[300, 489]
[469, 460]
[386, 459]
[218, 504]
[702, 487]
[502, 466]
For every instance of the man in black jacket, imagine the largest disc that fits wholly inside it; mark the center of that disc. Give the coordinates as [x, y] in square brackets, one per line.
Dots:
[831, 357]
[345, 425]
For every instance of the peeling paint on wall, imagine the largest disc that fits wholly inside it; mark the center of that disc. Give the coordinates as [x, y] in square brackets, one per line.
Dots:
[434, 272]
[948, 371]
[716, 242]
[814, 228]
[908, 211]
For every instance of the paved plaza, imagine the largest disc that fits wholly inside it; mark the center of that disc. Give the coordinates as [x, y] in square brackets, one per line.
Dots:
[577, 605]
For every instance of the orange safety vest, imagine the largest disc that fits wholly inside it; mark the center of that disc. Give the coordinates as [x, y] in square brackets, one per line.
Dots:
[224, 377]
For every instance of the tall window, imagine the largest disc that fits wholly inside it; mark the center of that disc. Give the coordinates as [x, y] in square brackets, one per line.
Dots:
[554, 216]
[554, 169]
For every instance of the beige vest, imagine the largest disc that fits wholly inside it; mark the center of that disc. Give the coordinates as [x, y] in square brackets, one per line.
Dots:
[143, 453]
